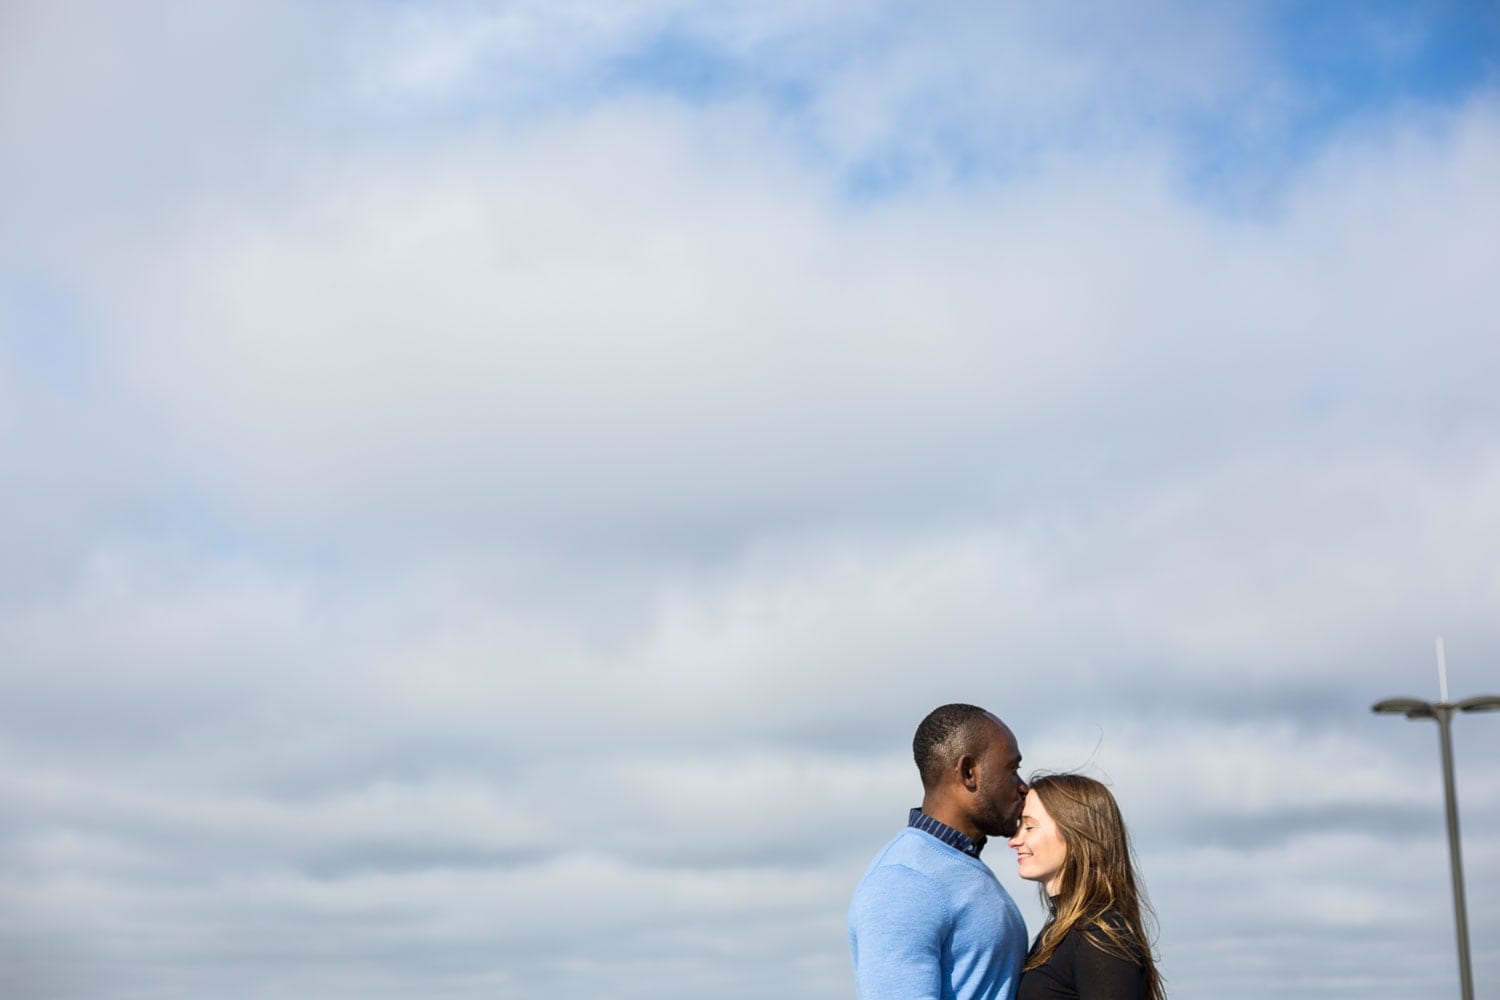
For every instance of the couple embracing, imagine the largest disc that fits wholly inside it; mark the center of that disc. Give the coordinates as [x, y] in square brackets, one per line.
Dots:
[929, 920]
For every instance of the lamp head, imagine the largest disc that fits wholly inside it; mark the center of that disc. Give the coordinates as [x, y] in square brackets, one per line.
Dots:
[1412, 708]
[1480, 703]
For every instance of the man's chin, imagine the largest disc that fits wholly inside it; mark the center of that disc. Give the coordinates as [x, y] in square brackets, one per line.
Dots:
[1004, 830]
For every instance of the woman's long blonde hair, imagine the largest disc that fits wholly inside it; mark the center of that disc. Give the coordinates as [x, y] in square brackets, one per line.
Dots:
[1097, 878]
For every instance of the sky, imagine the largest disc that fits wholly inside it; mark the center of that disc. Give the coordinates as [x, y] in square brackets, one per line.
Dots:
[488, 490]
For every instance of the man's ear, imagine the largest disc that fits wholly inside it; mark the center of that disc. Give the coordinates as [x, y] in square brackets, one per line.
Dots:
[968, 771]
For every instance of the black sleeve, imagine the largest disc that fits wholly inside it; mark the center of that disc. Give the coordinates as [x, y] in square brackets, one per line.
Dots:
[1102, 976]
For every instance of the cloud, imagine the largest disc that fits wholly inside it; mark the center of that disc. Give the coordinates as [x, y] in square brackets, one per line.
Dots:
[620, 307]
[496, 486]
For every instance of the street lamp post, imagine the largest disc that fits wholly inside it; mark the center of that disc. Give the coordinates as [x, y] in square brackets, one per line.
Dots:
[1442, 711]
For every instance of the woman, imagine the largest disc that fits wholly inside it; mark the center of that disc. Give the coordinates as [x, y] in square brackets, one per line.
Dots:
[1093, 946]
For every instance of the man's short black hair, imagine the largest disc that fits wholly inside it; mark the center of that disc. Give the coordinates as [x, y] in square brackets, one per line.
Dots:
[948, 732]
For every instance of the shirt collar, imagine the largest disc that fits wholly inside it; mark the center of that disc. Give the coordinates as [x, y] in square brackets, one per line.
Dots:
[942, 831]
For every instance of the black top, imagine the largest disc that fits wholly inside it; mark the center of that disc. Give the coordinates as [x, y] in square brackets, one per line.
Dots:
[1080, 970]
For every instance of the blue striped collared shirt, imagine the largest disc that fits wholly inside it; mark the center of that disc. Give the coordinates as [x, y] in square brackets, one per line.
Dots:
[944, 832]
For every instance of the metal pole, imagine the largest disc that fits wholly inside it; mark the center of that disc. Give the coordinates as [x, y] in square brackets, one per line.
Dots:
[1444, 713]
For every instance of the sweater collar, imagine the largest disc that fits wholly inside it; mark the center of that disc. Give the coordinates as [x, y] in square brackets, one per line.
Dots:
[942, 831]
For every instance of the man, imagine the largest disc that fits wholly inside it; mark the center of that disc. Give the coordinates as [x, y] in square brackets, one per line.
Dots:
[929, 921]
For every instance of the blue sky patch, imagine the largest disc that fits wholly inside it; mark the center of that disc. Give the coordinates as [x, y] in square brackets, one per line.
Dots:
[43, 328]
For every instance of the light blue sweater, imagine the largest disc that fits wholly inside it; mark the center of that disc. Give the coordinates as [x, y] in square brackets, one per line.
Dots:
[928, 922]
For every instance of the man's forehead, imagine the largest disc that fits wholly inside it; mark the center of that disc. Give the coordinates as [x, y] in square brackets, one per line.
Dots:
[1006, 739]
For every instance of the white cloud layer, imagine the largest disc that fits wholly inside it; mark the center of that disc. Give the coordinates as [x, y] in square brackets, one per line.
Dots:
[485, 520]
